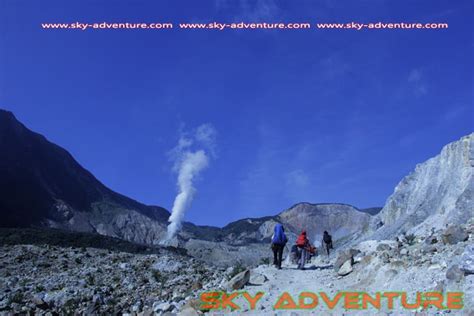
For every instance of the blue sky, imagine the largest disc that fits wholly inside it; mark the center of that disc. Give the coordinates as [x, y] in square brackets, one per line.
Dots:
[307, 115]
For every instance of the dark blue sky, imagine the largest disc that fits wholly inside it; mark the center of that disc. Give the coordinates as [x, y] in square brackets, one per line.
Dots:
[308, 115]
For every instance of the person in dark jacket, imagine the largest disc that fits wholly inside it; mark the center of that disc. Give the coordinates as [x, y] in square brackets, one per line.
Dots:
[327, 242]
[279, 241]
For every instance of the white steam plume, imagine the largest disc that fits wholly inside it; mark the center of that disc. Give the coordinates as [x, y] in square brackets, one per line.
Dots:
[189, 162]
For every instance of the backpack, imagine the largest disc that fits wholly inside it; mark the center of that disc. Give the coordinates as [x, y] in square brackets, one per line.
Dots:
[301, 241]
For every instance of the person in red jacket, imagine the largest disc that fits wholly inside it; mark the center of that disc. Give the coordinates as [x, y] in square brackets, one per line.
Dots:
[304, 246]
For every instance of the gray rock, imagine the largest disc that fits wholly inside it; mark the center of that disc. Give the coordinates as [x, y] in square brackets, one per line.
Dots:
[403, 252]
[257, 278]
[454, 273]
[162, 307]
[454, 234]
[97, 299]
[124, 266]
[137, 307]
[383, 247]
[39, 302]
[4, 303]
[344, 256]
[357, 258]
[346, 268]
[431, 240]
[239, 281]
[426, 248]
[188, 311]
[467, 260]
[391, 273]
[439, 287]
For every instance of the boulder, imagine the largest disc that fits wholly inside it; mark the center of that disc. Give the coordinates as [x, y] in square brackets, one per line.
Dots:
[454, 234]
[428, 248]
[439, 287]
[346, 268]
[162, 307]
[38, 301]
[258, 278]
[390, 274]
[467, 260]
[196, 286]
[385, 257]
[431, 240]
[398, 264]
[370, 246]
[454, 273]
[383, 247]
[358, 257]
[188, 311]
[239, 281]
[366, 260]
[345, 256]
[367, 246]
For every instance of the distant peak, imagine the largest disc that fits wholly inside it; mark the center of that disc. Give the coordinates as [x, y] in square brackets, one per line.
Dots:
[321, 204]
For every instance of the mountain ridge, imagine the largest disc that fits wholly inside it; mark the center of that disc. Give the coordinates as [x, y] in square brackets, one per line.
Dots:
[41, 184]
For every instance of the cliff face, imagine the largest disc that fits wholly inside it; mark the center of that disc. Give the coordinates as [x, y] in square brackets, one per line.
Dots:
[439, 191]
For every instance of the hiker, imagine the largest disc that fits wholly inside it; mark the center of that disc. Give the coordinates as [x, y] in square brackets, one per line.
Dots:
[304, 247]
[279, 241]
[327, 242]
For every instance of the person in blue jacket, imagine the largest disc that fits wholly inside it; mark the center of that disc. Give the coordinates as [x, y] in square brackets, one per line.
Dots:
[279, 241]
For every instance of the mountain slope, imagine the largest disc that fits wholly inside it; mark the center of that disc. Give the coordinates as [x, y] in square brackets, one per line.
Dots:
[41, 184]
[439, 191]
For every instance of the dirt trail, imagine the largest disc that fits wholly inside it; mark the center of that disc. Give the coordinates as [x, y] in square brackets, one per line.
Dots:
[318, 276]
[369, 276]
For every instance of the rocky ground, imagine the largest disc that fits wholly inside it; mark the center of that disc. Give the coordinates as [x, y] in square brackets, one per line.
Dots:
[54, 279]
[41, 279]
[443, 262]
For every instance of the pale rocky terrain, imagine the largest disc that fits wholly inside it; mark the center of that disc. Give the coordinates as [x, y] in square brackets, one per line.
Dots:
[441, 262]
